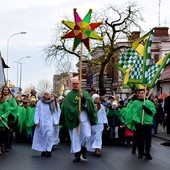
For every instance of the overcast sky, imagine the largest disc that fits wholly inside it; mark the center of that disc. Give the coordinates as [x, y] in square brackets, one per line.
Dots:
[39, 17]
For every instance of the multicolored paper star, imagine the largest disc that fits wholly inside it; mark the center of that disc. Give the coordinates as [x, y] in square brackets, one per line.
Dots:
[82, 30]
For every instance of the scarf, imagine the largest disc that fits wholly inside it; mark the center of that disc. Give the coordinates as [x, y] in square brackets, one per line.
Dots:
[8, 97]
[51, 104]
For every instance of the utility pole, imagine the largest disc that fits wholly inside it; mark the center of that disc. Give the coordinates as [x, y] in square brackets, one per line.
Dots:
[159, 13]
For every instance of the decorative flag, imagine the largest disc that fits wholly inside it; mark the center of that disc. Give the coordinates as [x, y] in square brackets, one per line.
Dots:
[140, 48]
[82, 30]
[153, 73]
[2, 75]
[135, 61]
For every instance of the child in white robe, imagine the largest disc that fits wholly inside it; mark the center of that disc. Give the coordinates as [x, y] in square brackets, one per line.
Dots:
[95, 143]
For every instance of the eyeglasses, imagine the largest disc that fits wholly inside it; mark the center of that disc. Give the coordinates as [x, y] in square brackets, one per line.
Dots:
[75, 83]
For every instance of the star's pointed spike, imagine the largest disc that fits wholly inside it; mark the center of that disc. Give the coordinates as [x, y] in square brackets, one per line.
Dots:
[95, 25]
[87, 18]
[68, 35]
[93, 35]
[76, 43]
[76, 16]
[87, 43]
[69, 24]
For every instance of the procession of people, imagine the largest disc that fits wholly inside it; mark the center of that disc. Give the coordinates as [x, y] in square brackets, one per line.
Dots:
[83, 118]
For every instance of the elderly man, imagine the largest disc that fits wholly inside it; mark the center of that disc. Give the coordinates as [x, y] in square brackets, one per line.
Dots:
[78, 120]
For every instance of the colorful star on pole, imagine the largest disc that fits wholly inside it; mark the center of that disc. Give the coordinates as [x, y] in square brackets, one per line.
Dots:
[82, 30]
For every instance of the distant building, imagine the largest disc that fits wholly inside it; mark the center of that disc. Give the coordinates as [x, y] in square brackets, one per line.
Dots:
[62, 82]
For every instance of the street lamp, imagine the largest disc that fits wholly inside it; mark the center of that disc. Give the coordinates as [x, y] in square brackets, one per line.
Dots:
[18, 62]
[8, 49]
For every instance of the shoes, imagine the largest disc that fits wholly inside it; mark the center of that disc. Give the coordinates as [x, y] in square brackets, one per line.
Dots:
[140, 156]
[48, 154]
[43, 153]
[76, 159]
[148, 157]
[83, 157]
[97, 153]
[83, 154]
[133, 151]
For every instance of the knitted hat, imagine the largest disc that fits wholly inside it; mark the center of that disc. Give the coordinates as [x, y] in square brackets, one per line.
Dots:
[94, 96]
[33, 99]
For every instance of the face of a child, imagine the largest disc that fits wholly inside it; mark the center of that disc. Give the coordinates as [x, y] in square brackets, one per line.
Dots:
[47, 96]
[114, 106]
[97, 100]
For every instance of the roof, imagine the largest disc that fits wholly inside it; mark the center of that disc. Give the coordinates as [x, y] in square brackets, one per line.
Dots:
[165, 76]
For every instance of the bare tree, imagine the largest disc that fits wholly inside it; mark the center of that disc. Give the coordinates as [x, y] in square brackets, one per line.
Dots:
[118, 24]
[43, 85]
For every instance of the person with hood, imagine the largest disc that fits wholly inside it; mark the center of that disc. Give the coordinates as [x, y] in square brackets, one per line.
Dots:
[95, 143]
[45, 120]
[77, 118]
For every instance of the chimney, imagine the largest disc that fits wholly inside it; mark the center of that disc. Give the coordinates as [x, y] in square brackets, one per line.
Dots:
[161, 31]
[134, 36]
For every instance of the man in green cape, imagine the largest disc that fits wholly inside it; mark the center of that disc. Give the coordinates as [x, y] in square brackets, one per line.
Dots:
[141, 112]
[78, 120]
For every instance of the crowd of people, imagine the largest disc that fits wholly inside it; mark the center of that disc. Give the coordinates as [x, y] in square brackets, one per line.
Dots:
[83, 118]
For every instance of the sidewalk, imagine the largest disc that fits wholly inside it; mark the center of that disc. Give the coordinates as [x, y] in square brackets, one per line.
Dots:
[162, 135]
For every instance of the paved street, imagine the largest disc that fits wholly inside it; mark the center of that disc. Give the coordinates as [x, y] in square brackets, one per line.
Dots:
[21, 157]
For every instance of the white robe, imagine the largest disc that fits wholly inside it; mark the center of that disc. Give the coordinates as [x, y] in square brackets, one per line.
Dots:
[96, 131]
[56, 139]
[43, 135]
[82, 139]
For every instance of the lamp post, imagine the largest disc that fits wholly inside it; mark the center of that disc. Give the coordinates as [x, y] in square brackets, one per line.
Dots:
[8, 49]
[18, 62]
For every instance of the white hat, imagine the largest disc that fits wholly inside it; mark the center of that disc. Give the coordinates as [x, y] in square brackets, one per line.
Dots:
[47, 91]
[60, 97]
[94, 96]
[114, 104]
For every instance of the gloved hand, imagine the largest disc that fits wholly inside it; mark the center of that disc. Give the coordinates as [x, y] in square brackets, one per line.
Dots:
[147, 110]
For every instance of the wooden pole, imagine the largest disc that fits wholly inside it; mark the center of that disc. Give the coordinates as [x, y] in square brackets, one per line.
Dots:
[5, 124]
[80, 77]
[80, 84]
[143, 113]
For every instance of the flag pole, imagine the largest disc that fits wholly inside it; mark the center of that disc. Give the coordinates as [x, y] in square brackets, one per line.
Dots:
[80, 77]
[143, 113]
[5, 124]
[80, 84]
[150, 92]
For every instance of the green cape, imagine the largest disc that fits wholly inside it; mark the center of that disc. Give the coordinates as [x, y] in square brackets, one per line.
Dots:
[70, 109]
[4, 112]
[30, 112]
[21, 118]
[13, 107]
[135, 111]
